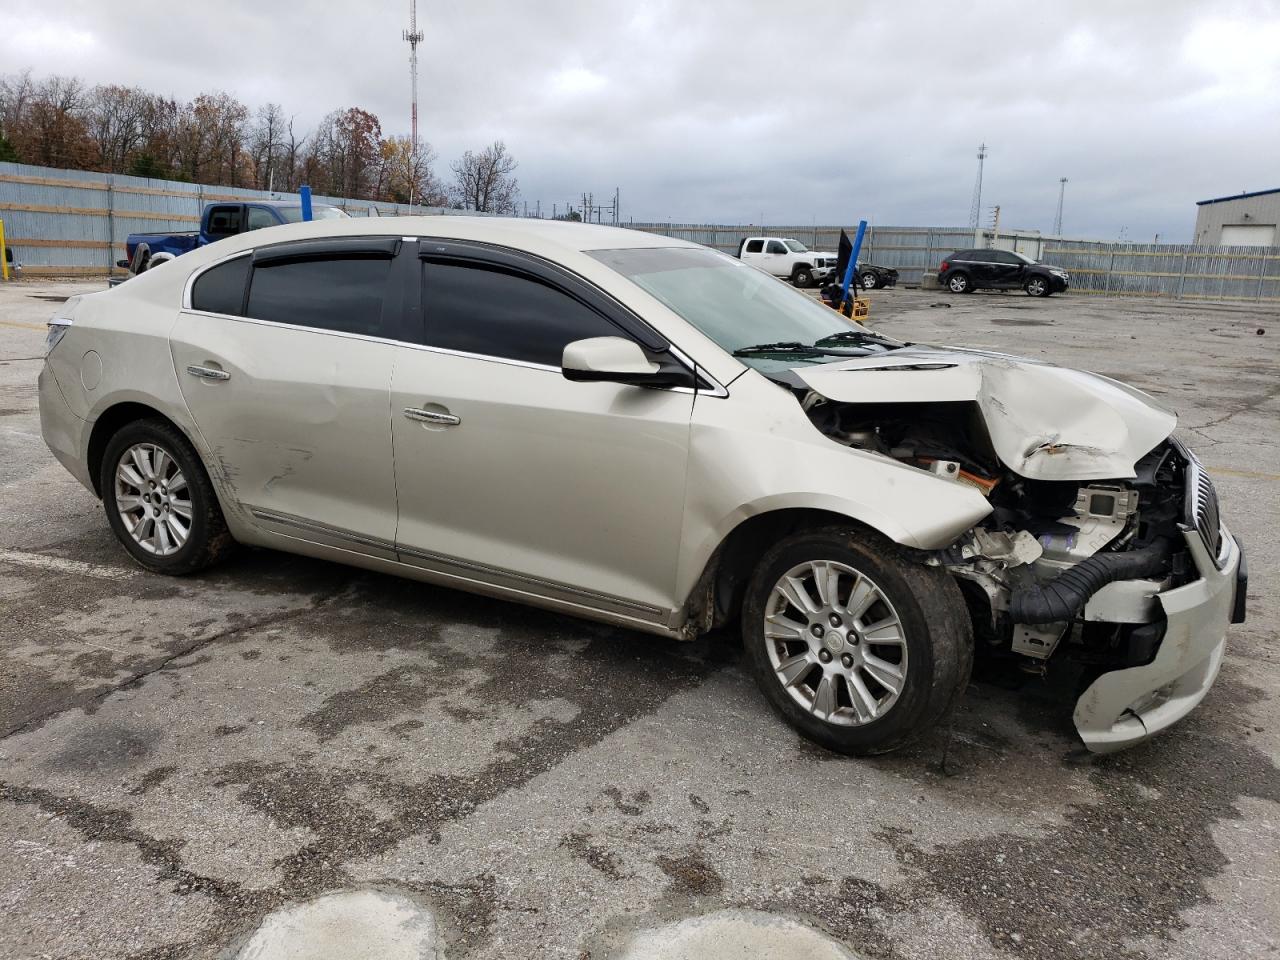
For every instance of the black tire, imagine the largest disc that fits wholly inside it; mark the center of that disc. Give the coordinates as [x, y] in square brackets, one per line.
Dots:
[208, 539]
[870, 281]
[934, 623]
[959, 283]
[1037, 287]
[802, 277]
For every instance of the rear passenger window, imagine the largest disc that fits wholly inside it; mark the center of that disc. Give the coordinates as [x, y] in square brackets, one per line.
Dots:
[332, 293]
[477, 309]
[755, 246]
[221, 289]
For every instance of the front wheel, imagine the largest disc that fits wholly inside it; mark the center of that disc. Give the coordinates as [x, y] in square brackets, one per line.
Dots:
[959, 283]
[870, 281]
[802, 277]
[159, 501]
[858, 648]
[1037, 287]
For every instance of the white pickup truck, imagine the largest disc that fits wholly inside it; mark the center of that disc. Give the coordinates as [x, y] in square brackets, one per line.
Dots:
[785, 257]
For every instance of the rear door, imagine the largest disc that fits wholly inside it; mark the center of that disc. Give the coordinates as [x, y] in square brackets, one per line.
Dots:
[753, 252]
[512, 476]
[285, 359]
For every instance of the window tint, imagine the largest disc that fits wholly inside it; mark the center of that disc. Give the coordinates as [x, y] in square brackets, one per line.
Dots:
[755, 246]
[224, 221]
[776, 247]
[259, 218]
[343, 294]
[221, 290]
[1003, 256]
[477, 309]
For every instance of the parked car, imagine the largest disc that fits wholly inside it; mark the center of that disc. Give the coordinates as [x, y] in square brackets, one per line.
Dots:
[968, 270]
[644, 432]
[217, 222]
[786, 257]
[872, 276]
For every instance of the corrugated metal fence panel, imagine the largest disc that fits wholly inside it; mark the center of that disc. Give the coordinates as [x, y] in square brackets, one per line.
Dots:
[78, 220]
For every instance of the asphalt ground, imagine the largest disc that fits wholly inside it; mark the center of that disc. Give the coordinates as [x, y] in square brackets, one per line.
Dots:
[179, 757]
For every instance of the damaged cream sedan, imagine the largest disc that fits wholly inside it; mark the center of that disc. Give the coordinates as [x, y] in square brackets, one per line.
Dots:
[645, 432]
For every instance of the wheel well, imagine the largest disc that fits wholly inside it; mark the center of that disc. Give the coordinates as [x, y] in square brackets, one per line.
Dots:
[717, 597]
[106, 426]
[797, 267]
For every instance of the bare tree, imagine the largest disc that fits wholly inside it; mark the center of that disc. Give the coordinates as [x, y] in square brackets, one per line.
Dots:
[265, 139]
[114, 117]
[409, 174]
[484, 182]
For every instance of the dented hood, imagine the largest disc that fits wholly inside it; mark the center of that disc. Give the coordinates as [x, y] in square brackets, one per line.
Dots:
[1045, 422]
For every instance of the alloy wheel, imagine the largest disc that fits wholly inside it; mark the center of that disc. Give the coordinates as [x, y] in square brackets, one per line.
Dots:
[153, 499]
[835, 643]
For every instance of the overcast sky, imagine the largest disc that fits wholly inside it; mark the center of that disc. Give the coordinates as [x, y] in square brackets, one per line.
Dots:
[734, 111]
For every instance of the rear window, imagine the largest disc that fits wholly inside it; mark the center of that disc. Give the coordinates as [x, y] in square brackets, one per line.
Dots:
[221, 289]
[331, 293]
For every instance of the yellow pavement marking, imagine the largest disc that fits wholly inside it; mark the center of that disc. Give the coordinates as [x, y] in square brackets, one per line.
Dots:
[24, 326]
[1249, 474]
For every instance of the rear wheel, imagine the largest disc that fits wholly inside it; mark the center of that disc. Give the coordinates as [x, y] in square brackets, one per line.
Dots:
[159, 501]
[959, 283]
[802, 277]
[1037, 287]
[858, 648]
[870, 281]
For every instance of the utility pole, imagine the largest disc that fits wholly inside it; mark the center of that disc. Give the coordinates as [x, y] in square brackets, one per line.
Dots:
[1057, 220]
[414, 36]
[975, 209]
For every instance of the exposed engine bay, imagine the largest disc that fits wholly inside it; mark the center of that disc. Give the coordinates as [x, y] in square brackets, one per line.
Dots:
[1060, 568]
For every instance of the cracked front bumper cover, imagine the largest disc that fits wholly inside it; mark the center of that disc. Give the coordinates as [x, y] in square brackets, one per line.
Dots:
[1125, 707]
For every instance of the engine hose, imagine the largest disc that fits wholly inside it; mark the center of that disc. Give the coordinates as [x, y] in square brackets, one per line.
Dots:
[1066, 594]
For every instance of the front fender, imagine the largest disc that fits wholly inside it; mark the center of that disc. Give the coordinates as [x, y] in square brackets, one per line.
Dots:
[756, 452]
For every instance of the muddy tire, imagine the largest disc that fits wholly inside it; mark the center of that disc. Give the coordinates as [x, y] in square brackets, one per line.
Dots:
[859, 648]
[159, 501]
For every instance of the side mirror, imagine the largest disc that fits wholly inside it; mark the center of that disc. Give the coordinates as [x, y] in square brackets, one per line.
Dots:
[619, 360]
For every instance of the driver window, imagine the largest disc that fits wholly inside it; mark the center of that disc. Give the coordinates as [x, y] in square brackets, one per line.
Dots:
[776, 247]
[259, 218]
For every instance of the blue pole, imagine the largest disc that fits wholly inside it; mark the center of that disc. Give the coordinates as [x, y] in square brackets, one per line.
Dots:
[306, 209]
[853, 262]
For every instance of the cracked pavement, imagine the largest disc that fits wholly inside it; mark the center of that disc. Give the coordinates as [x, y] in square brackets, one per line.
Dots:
[181, 757]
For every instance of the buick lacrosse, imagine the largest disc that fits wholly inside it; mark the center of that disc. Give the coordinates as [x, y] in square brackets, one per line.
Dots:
[645, 432]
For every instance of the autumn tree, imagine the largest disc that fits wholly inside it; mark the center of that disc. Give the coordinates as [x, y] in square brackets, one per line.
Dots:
[484, 182]
[408, 174]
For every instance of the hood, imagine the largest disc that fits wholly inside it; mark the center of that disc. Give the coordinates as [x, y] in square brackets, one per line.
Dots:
[1045, 422]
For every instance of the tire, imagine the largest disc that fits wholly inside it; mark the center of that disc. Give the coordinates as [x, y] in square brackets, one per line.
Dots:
[1037, 287]
[870, 281]
[959, 283]
[132, 469]
[802, 277]
[932, 652]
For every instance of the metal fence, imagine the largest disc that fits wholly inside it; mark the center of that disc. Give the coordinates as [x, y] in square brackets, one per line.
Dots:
[1179, 271]
[64, 222]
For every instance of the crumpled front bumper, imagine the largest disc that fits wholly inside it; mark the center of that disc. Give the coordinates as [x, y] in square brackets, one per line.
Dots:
[1125, 707]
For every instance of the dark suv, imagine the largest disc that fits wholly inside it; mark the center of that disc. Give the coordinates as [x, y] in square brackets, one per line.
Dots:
[968, 270]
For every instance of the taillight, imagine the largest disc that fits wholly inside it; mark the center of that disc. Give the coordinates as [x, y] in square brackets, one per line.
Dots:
[944, 267]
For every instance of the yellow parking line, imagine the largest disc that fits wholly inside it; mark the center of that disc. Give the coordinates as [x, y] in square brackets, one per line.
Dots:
[1249, 474]
[24, 326]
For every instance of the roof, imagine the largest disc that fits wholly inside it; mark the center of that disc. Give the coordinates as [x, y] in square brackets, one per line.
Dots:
[1238, 196]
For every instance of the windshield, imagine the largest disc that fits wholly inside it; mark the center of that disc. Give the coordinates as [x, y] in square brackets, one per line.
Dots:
[318, 212]
[795, 246]
[734, 304]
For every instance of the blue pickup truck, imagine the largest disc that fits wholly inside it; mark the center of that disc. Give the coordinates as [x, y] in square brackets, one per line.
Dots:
[219, 220]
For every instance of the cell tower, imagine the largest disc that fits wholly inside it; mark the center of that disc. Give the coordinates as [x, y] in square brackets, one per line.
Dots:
[1057, 220]
[414, 36]
[975, 209]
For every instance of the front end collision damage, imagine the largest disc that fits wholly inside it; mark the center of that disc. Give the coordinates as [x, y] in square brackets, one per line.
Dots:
[1103, 552]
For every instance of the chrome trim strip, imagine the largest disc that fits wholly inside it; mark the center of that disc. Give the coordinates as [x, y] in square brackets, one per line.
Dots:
[553, 590]
[315, 526]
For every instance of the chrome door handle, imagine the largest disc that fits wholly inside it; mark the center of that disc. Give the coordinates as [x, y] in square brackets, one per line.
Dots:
[207, 373]
[432, 416]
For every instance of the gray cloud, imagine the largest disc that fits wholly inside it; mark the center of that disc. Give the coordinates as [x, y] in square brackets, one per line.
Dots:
[732, 110]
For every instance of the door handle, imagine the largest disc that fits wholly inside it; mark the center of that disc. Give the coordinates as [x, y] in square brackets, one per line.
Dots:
[207, 373]
[432, 416]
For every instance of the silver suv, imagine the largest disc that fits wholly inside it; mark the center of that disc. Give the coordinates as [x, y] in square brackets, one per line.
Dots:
[651, 434]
